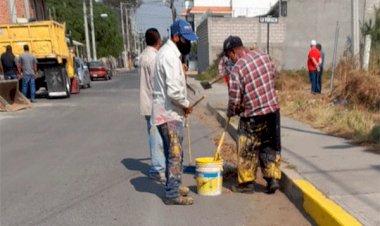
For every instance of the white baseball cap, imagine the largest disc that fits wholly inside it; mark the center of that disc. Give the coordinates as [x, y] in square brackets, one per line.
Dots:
[313, 42]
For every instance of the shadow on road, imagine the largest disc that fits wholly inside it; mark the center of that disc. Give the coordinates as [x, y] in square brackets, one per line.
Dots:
[143, 183]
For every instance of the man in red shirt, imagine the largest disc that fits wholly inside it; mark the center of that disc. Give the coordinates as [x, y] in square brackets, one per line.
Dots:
[252, 96]
[313, 67]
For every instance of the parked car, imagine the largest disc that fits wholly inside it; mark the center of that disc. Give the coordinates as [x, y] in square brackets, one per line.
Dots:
[98, 69]
[82, 73]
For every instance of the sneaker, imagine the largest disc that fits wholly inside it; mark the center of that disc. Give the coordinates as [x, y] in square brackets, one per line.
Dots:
[160, 177]
[248, 187]
[181, 200]
[183, 191]
[272, 186]
[33, 101]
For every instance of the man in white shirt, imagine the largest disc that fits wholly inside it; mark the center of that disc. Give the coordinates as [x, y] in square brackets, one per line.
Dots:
[146, 62]
[170, 106]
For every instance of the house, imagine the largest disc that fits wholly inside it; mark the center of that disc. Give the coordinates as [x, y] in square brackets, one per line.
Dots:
[14, 10]
[197, 10]
[289, 39]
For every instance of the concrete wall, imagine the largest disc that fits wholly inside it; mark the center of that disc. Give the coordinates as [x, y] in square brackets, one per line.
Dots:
[290, 38]
[248, 29]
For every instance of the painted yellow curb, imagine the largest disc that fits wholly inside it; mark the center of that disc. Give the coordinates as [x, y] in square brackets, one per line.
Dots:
[323, 210]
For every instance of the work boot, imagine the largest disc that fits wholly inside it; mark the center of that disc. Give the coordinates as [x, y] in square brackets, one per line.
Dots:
[247, 187]
[183, 191]
[181, 200]
[272, 186]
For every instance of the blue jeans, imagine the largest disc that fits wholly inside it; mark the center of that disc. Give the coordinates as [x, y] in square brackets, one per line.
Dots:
[28, 80]
[314, 79]
[172, 137]
[155, 147]
[10, 77]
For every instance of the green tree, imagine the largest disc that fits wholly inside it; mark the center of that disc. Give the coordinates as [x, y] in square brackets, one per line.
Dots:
[107, 32]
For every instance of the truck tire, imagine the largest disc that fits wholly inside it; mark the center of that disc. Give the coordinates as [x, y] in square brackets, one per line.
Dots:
[68, 88]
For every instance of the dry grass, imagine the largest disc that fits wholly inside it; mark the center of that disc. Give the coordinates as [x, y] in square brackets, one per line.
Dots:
[358, 119]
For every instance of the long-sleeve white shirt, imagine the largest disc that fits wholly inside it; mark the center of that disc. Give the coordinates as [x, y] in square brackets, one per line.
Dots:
[169, 86]
[146, 62]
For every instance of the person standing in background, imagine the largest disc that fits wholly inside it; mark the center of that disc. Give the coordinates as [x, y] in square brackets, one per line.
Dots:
[28, 68]
[8, 64]
[313, 67]
[146, 70]
[321, 63]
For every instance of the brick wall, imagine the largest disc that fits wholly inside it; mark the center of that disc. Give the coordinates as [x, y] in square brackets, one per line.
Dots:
[36, 10]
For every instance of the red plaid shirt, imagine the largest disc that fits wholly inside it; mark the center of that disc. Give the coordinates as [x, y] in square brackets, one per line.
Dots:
[252, 90]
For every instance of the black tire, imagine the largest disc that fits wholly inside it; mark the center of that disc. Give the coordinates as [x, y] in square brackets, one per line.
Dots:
[67, 81]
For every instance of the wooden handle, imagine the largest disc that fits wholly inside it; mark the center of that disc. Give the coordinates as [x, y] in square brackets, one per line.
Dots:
[197, 102]
[217, 153]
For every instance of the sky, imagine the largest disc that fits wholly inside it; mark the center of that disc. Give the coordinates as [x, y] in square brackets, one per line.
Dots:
[153, 13]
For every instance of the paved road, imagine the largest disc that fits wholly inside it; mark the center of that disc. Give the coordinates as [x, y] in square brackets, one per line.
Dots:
[83, 161]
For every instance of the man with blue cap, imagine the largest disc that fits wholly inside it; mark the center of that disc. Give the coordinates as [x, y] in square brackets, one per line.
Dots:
[170, 107]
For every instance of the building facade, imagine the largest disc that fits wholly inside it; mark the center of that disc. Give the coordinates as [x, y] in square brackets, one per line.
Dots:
[12, 10]
[289, 39]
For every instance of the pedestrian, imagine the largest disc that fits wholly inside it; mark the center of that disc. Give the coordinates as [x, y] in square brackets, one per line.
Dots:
[146, 70]
[313, 67]
[252, 96]
[321, 63]
[8, 64]
[171, 106]
[224, 68]
[28, 68]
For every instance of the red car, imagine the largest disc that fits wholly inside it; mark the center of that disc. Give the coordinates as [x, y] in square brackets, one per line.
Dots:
[98, 69]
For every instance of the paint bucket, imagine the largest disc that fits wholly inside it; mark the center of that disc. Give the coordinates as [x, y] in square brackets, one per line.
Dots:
[209, 176]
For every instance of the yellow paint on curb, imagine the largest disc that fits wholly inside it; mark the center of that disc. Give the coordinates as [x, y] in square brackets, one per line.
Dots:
[323, 210]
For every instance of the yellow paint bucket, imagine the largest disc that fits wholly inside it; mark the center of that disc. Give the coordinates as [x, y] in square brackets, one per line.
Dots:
[209, 176]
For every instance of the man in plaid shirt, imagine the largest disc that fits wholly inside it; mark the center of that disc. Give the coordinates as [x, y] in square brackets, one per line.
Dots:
[252, 96]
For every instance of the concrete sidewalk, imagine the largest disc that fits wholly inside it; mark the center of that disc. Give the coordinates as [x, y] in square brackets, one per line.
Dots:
[335, 182]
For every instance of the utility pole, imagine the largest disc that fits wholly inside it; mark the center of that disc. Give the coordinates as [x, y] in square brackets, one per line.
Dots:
[127, 25]
[88, 52]
[172, 7]
[355, 32]
[92, 32]
[125, 59]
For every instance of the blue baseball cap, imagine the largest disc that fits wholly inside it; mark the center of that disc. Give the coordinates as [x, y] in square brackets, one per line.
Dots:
[184, 29]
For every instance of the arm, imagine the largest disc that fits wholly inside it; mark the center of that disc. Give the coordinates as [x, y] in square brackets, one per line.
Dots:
[35, 68]
[234, 99]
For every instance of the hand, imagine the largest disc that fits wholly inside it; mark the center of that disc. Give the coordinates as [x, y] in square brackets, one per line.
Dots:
[19, 77]
[188, 110]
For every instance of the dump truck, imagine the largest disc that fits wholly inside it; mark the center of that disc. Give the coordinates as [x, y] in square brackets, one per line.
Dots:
[47, 42]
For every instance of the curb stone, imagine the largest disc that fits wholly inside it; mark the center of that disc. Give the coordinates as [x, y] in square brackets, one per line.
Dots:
[314, 205]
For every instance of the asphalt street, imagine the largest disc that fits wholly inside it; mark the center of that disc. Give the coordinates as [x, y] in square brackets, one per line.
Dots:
[84, 161]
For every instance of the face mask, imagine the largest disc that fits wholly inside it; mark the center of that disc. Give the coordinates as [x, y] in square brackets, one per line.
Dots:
[184, 48]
